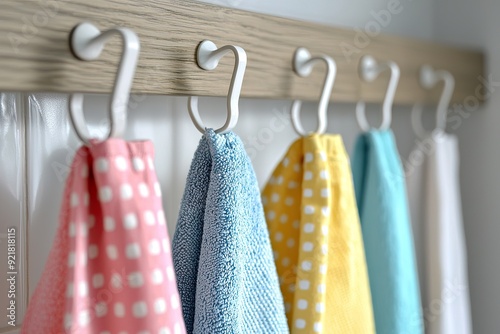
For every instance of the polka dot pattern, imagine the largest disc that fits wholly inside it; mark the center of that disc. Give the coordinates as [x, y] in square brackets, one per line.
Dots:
[319, 238]
[111, 260]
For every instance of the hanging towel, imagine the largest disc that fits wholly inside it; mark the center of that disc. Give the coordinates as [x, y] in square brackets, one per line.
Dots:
[110, 268]
[221, 249]
[314, 226]
[434, 191]
[382, 202]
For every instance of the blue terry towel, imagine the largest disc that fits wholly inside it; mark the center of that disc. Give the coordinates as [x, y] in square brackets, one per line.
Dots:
[221, 249]
[380, 188]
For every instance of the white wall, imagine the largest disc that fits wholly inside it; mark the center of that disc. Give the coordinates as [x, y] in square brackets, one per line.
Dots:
[476, 23]
[11, 195]
[416, 19]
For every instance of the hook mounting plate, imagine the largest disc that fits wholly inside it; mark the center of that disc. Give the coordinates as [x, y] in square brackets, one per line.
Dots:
[427, 76]
[301, 64]
[204, 55]
[369, 68]
[80, 39]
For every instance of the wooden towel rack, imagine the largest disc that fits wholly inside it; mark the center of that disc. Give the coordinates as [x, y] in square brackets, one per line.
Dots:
[34, 52]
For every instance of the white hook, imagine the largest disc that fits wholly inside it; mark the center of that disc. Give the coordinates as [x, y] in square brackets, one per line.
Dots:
[87, 43]
[428, 79]
[369, 69]
[303, 64]
[208, 57]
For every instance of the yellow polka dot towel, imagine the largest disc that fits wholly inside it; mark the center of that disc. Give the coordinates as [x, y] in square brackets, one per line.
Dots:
[316, 237]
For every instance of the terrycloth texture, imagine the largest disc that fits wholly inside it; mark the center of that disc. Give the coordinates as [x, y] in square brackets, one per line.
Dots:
[382, 202]
[221, 249]
[313, 221]
[110, 268]
[434, 192]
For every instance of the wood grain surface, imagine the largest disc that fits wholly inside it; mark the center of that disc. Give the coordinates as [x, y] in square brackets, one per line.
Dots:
[34, 52]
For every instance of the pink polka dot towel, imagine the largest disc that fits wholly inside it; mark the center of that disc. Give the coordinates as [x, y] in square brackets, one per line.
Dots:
[110, 267]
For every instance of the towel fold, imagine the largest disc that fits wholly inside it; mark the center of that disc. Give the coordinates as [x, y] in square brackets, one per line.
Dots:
[314, 226]
[221, 249]
[434, 193]
[110, 267]
[383, 208]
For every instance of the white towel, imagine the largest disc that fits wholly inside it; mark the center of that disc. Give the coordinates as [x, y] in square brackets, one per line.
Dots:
[435, 204]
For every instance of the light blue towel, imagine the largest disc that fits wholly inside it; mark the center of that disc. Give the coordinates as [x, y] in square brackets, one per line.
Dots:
[221, 249]
[383, 208]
